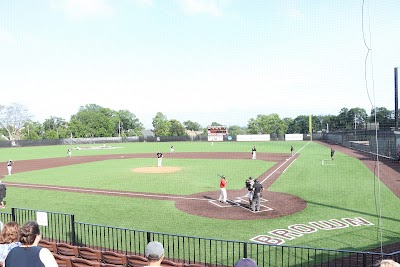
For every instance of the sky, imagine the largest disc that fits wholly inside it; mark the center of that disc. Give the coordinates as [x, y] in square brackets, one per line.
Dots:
[223, 61]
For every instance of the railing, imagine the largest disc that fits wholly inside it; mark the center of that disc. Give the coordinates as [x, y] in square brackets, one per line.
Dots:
[61, 227]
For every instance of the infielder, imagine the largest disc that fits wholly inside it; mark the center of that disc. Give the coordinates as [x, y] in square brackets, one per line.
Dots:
[159, 159]
[254, 152]
[9, 166]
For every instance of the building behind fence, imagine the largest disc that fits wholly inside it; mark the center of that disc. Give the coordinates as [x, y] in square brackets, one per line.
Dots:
[62, 227]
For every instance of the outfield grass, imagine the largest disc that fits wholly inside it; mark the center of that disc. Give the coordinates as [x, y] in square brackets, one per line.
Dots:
[343, 189]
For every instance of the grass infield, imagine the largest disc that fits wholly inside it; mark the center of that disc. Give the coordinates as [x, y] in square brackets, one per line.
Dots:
[345, 189]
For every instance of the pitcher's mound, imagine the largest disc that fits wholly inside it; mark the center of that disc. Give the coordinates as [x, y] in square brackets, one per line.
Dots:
[157, 169]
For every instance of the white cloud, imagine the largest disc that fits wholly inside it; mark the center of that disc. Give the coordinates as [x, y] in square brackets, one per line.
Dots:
[6, 37]
[79, 9]
[144, 3]
[212, 7]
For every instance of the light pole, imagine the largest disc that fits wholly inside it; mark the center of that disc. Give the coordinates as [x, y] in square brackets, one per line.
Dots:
[396, 102]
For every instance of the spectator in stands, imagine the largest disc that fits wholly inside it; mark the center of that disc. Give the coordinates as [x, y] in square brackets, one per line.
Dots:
[29, 254]
[3, 193]
[154, 252]
[245, 262]
[8, 239]
[389, 263]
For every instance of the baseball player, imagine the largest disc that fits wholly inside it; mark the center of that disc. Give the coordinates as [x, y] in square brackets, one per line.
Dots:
[9, 166]
[159, 159]
[3, 193]
[332, 153]
[69, 151]
[222, 185]
[249, 185]
[291, 150]
[254, 152]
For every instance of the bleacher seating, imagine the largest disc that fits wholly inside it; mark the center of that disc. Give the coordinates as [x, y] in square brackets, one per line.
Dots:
[111, 257]
[78, 262]
[68, 255]
[52, 246]
[136, 261]
[67, 250]
[169, 263]
[89, 254]
[62, 261]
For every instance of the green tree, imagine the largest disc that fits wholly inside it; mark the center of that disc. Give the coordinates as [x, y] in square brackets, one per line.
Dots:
[289, 122]
[55, 128]
[300, 124]
[192, 126]
[176, 128]
[267, 124]
[359, 116]
[384, 117]
[129, 124]
[236, 130]
[32, 131]
[161, 125]
[50, 134]
[94, 121]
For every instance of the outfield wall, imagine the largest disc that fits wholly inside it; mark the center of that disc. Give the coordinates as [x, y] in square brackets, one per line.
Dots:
[253, 137]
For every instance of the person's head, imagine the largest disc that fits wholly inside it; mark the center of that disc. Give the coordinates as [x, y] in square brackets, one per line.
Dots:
[389, 263]
[245, 262]
[9, 233]
[223, 177]
[29, 233]
[154, 251]
[250, 178]
[256, 181]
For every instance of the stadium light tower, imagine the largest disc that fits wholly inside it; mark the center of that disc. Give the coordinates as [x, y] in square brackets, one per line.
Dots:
[396, 101]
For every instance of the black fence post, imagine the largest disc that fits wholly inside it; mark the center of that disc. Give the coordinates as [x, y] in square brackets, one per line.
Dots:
[245, 250]
[148, 237]
[13, 214]
[364, 260]
[73, 240]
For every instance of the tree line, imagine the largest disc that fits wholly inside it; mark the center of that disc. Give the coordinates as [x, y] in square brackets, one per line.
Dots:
[93, 120]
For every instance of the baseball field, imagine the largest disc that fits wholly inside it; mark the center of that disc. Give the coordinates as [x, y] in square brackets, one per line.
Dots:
[350, 202]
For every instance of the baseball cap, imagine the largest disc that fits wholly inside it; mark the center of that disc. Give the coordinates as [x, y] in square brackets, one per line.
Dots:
[246, 262]
[154, 250]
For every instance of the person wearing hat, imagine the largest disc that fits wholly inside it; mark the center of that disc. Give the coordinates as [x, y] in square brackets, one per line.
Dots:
[254, 152]
[2, 194]
[154, 252]
[159, 159]
[245, 262]
[257, 189]
[222, 186]
[249, 185]
[9, 166]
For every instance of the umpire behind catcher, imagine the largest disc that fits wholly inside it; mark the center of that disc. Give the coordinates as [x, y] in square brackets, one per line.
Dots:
[257, 189]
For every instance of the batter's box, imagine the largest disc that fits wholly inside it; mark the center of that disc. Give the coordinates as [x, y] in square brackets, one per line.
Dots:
[217, 203]
[242, 202]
